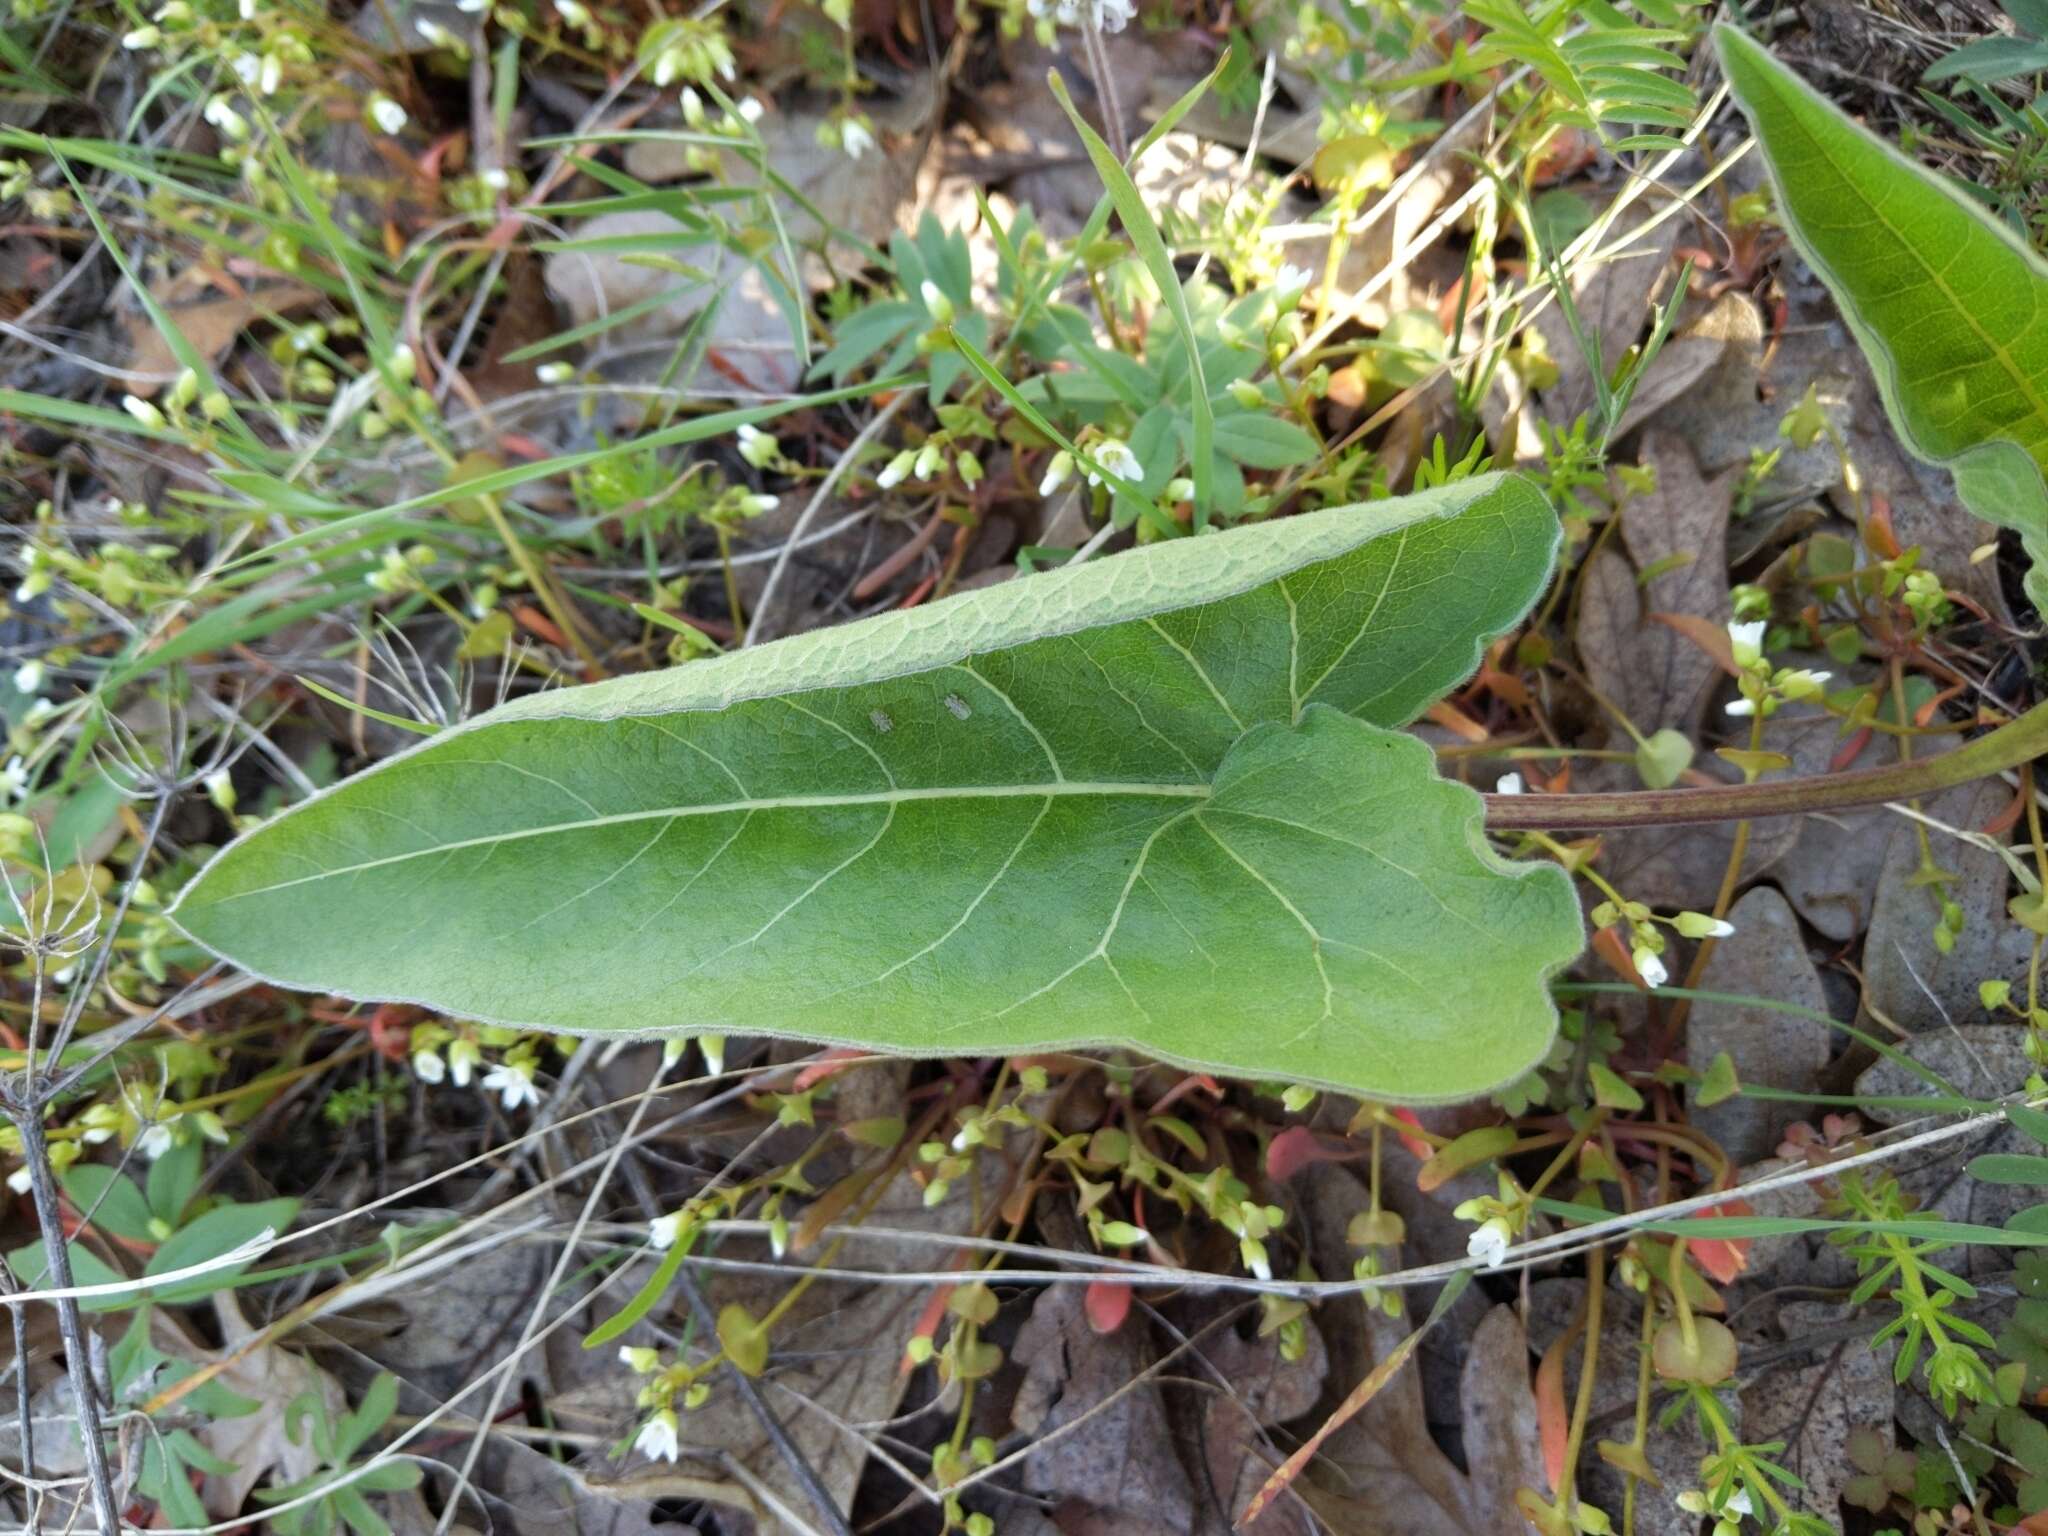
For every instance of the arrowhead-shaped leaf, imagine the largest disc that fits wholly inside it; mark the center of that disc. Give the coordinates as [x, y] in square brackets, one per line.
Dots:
[1949, 307]
[1150, 800]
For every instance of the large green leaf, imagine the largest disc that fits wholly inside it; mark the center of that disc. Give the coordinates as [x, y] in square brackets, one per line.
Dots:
[1950, 308]
[1150, 800]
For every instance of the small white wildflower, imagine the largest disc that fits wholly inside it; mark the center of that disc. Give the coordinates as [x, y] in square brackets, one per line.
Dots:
[1741, 708]
[513, 1085]
[463, 1056]
[713, 1047]
[141, 37]
[1115, 455]
[639, 1359]
[246, 67]
[935, 300]
[930, 460]
[896, 471]
[387, 114]
[1510, 784]
[757, 447]
[143, 410]
[573, 13]
[14, 778]
[1649, 967]
[1698, 925]
[222, 114]
[761, 503]
[663, 1231]
[18, 1180]
[155, 1141]
[693, 107]
[855, 139]
[436, 34]
[246, 9]
[220, 789]
[428, 1066]
[270, 76]
[496, 177]
[1253, 1252]
[38, 711]
[1800, 682]
[30, 676]
[749, 109]
[1738, 1504]
[1057, 473]
[667, 66]
[1489, 1242]
[657, 1439]
[1747, 641]
[555, 373]
[1293, 279]
[472, 7]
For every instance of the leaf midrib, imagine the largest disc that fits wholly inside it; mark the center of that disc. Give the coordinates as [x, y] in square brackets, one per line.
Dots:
[1050, 790]
[1997, 349]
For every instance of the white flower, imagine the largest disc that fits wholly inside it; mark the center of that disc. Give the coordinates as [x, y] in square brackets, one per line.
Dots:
[693, 106]
[1800, 682]
[141, 37]
[1057, 473]
[1510, 784]
[713, 1047]
[428, 1066]
[270, 76]
[246, 67]
[1253, 1252]
[555, 373]
[1115, 455]
[222, 114]
[29, 677]
[513, 1085]
[141, 409]
[387, 114]
[1747, 641]
[1489, 1242]
[1698, 925]
[897, 470]
[663, 1231]
[246, 9]
[496, 177]
[462, 1056]
[757, 447]
[1741, 707]
[762, 503]
[935, 301]
[1649, 967]
[437, 34]
[155, 1141]
[639, 1359]
[1293, 279]
[657, 1438]
[18, 1180]
[929, 461]
[14, 778]
[39, 710]
[573, 13]
[855, 139]
[749, 109]
[1738, 1503]
[472, 7]
[220, 788]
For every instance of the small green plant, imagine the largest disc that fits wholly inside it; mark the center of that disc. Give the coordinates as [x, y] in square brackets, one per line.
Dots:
[333, 1496]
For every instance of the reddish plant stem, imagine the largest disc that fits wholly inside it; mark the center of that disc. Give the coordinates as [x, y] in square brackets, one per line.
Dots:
[2012, 744]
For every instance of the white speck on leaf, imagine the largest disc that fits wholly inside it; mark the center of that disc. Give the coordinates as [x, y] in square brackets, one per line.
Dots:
[881, 721]
[957, 706]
